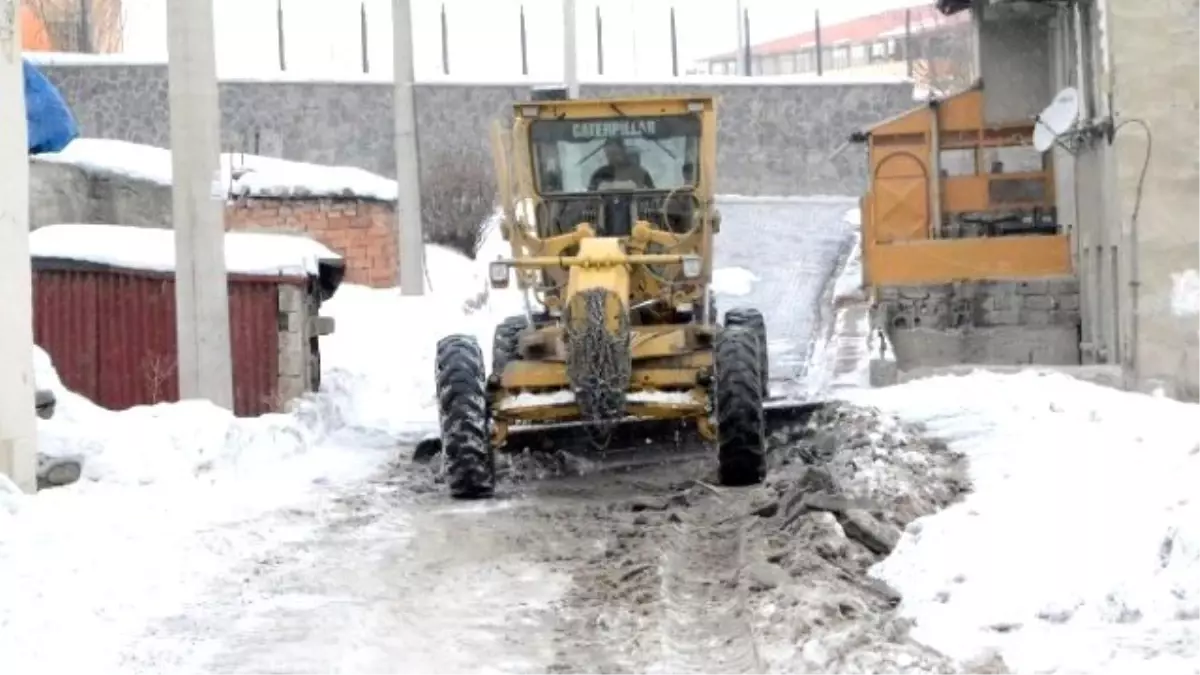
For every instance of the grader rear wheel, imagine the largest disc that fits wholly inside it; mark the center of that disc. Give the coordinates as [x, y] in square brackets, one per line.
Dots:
[504, 341]
[464, 418]
[741, 427]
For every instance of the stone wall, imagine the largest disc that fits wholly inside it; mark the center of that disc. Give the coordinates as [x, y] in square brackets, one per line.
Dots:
[361, 231]
[775, 139]
[990, 322]
[300, 328]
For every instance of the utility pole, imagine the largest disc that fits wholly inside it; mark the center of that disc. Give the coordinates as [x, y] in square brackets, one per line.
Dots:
[408, 163]
[742, 66]
[570, 56]
[18, 426]
[524, 45]
[674, 46]
[363, 37]
[445, 42]
[820, 51]
[749, 60]
[599, 42]
[198, 196]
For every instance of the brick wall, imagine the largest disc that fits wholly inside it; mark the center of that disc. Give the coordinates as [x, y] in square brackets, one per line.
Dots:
[360, 230]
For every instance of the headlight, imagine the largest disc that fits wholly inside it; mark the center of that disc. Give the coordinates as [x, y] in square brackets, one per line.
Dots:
[693, 265]
[498, 274]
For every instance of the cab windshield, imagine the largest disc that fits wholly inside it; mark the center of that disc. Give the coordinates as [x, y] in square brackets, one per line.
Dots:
[615, 154]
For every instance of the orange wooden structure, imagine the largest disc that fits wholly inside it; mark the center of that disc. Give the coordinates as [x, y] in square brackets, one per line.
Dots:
[989, 214]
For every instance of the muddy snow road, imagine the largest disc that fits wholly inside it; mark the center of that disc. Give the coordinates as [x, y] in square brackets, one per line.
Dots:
[654, 570]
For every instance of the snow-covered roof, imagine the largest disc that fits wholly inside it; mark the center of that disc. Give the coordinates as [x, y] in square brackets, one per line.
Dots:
[153, 249]
[256, 176]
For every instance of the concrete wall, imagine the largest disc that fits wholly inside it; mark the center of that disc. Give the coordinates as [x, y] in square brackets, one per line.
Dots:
[1155, 70]
[775, 138]
[990, 322]
[60, 193]
[1010, 47]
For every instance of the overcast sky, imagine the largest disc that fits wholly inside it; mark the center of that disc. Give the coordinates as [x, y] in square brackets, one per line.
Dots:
[322, 37]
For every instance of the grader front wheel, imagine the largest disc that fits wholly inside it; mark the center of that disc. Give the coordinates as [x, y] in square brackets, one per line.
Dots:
[741, 427]
[751, 318]
[463, 414]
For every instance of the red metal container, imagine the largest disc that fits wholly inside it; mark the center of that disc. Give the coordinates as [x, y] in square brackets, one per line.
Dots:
[111, 333]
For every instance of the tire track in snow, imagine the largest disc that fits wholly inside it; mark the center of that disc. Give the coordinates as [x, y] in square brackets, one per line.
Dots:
[706, 615]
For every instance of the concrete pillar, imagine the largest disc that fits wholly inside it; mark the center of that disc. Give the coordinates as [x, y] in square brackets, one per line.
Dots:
[18, 426]
[198, 205]
[408, 164]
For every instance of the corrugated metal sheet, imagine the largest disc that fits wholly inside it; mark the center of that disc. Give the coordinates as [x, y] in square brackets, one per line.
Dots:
[254, 338]
[111, 334]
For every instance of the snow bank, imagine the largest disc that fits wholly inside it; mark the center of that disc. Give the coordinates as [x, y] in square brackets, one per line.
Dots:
[153, 249]
[735, 281]
[1078, 548]
[242, 175]
[382, 352]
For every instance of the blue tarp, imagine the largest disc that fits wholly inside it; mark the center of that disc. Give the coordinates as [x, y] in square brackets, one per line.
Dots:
[51, 124]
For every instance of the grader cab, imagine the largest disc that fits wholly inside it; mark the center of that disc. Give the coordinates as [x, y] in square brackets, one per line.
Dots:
[609, 211]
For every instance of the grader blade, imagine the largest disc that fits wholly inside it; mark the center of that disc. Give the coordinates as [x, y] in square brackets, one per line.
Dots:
[629, 434]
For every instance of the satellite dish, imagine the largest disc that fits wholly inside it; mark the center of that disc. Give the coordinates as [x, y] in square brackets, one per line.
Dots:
[1056, 119]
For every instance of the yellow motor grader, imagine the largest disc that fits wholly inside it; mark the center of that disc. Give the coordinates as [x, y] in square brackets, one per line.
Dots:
[608, 207]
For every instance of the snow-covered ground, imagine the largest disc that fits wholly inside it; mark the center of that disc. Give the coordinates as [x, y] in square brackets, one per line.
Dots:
[155, 519]
[1078, 547]
[241, 175]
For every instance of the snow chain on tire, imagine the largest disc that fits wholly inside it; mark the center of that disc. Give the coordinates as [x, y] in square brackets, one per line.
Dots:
[599, 364]
[741, 429]
[464, 418]
[751, 318]
[504, 342]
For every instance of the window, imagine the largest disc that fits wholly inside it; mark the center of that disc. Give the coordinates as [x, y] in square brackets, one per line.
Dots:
[858, 55]
[770, 65]
[787, 63]
[1013, 159]
[841, 57]
[806, 61]
[957, 162]
[567, 153]
[879, 51]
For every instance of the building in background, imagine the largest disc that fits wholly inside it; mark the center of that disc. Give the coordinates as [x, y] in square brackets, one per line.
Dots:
[939, 47]
[88, 26]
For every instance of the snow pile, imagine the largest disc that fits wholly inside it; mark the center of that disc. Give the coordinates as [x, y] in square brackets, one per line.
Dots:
[381, 354]
[1078, 548]
[841, 358]
[153, 249]
[842, 493]
[241, 175]
[849, 284]
[734, 281]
